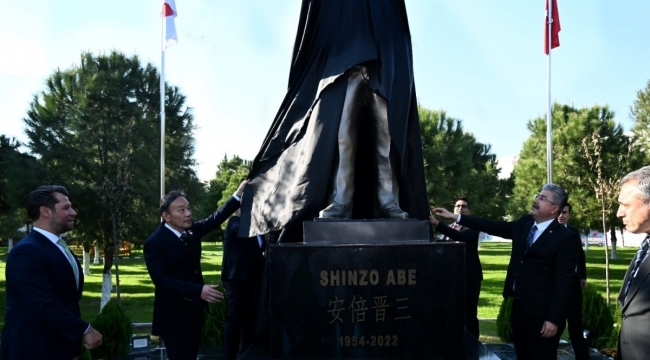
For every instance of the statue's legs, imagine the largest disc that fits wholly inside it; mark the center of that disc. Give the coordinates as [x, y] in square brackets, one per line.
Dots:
[341, 207]
[387, 185]
[356, 97]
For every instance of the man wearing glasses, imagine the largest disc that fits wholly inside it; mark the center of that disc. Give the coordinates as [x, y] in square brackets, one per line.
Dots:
[540, 273]
[473, 270]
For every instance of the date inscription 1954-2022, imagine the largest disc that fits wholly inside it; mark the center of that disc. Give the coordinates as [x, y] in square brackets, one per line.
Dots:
[373, 340]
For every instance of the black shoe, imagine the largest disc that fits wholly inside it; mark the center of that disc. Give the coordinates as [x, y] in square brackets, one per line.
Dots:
[394, 212]
[336, 210]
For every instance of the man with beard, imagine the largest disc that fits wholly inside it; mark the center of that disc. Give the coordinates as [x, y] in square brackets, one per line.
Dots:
[540, 273]
[44, 286]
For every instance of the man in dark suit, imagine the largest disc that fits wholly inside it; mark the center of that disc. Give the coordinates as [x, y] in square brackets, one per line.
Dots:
[634, 297]
[173, 257]
[44, 286]
[574, 308]
[473, 270]
[241, 272]
[540, 273]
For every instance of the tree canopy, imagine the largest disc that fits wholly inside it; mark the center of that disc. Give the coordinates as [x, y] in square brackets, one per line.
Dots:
[640, 113]
[571, 168]
[96, 129]
[456, 165]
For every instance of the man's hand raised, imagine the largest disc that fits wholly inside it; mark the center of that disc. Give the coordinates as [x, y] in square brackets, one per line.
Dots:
[444, 213]
[240, 189]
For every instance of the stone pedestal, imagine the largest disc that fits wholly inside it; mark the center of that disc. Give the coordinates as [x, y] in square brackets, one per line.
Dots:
[370, 300]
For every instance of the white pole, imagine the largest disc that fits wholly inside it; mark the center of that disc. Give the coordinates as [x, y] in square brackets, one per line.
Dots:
[549, 118]
[162, 107]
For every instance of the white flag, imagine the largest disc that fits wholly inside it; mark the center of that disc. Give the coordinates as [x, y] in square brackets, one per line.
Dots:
[169, 32]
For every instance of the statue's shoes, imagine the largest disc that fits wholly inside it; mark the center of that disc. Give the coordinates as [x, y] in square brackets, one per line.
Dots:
[394, 212]
[336, 210]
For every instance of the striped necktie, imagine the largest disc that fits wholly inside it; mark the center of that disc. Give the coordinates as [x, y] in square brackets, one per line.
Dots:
[638, 259]
[530, 239]
[68, 253]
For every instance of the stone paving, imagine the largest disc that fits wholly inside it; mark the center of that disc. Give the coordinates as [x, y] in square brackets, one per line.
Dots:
[502, 351]
[564, 352]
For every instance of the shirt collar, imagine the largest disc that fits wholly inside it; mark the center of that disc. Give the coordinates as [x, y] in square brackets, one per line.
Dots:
[52, 237]
[543, 225]
[173, 230]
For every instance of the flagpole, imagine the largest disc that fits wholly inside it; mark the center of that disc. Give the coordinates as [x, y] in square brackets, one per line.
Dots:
[549, 120]
[162, 106]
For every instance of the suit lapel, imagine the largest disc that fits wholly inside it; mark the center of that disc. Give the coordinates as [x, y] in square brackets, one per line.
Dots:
[621, 300]
[547, 234]
[81, 276]
[521, 246]
[61, 261]
[173, 240]
[642, 274]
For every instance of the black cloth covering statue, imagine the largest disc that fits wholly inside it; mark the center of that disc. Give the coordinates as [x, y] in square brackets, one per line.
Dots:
[292, 175]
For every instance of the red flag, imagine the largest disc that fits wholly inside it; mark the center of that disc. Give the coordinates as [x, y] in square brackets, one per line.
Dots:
[169, 13]
[555, 28]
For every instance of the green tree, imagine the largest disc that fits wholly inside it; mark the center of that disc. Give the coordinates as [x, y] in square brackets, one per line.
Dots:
[455, 165]
[18, 176]
[571, 168]
[230, 173]
[96, 130]
[640, 113]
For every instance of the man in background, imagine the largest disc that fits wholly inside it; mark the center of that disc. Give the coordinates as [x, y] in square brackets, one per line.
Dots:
[574, 313]
[634, 297]
[241, 272]
[44, 286]
[473, 270]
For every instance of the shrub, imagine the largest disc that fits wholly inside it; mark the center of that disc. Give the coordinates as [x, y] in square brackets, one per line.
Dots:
[596, 318]
[616, 330]
[85, 354]
[215, 323]
[116, 330]
[504, 329]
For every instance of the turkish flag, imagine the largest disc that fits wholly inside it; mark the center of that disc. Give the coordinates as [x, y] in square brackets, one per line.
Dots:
[169, 13]
[555, 28]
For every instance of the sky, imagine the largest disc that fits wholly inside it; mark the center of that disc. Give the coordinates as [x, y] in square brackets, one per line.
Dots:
[480, 61]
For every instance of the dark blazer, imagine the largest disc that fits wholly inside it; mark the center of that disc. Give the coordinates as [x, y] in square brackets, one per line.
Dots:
[545, 273]
[42, 319]
[582, 262]
[632, 342]
[175, 270]
[242, 257]
[473, 269]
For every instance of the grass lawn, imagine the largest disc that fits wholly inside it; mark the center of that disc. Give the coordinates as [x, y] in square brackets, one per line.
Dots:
[494, 259]
[137, 289]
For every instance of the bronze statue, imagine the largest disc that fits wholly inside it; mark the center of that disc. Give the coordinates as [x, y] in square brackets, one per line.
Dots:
[345, 142]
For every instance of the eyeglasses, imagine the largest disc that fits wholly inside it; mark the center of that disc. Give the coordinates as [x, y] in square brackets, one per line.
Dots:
[461, 206]
[544, 198]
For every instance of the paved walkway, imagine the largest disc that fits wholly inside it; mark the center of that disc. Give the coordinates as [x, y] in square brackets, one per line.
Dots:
[564, 352]
[501, 351]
